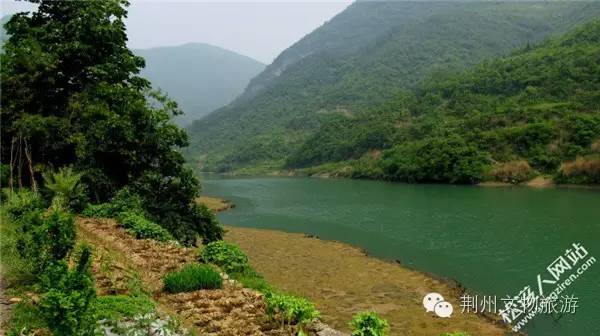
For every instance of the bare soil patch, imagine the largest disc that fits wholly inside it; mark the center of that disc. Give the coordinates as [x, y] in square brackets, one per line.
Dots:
[230, 311]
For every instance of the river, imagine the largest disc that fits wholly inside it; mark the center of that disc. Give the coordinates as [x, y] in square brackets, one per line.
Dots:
[493, 240]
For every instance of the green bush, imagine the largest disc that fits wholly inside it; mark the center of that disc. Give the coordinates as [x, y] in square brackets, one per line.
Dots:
[67, 305]
[141, 228]
[369, 324]
[22, 201]
[290, 309]
[228, 257]
[45, 238]
[103, 210]
[65, 189]
[191, 278]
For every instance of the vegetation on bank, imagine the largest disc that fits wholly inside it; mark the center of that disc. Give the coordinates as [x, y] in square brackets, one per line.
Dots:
[72, 96]
[191, 278]
[337, 94]
[533, 112]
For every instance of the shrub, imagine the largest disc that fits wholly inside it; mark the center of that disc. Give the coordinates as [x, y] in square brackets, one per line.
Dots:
[512, 172]
[582, 170]
[46, 239]
[103, 210]
[191, 278]
[369, 324]
[141, 228]
[20, 202]
[225, 255]
[67, 304]
[65, 188]
[290, 309]
[126, 200]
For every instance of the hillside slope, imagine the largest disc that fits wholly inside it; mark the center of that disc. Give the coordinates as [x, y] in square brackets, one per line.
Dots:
[360, 59]
[507, 120]
[200, 77]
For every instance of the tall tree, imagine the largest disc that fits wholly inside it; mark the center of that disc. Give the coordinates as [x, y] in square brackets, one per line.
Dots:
[72, 96]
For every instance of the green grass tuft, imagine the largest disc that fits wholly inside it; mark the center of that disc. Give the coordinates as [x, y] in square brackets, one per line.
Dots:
[191, 278]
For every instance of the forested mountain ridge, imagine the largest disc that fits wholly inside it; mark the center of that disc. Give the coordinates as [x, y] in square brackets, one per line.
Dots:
[200, 77]
[534, 112]
[363, 58]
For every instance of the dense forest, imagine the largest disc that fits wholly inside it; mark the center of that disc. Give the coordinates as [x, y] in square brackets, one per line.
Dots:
[357, 64]
[509, 119]
[72, 98]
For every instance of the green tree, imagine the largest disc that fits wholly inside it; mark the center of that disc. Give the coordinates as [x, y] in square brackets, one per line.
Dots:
[72, 96]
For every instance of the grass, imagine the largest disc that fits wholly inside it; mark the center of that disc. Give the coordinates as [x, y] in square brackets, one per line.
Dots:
[114, 307]
[192, 277]
[253, 280]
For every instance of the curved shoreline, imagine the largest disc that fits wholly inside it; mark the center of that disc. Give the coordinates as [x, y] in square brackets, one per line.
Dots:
[343, 279]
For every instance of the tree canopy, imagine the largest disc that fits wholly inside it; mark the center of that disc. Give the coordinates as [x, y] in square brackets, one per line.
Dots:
[72, 96]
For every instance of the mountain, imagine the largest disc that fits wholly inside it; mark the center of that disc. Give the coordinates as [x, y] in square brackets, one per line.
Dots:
[534, 112]
[364, 57]
[200, 77]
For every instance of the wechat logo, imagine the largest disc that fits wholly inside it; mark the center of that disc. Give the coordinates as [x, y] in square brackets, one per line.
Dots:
[434, 302]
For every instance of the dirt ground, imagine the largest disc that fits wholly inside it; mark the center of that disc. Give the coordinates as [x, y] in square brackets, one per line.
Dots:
[231, 311]
[342, 281]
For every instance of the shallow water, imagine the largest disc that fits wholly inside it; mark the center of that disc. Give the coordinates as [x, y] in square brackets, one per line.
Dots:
[495, 241]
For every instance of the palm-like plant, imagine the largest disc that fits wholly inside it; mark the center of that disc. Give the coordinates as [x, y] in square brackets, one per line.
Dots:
[64, 185]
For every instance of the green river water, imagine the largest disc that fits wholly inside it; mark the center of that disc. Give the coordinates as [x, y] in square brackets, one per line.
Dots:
[494, 241]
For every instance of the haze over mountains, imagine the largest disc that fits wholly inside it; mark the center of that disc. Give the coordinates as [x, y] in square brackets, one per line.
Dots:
[200, 77]
[365, 57]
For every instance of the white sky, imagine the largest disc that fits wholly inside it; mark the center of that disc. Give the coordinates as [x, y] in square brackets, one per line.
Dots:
[260, 30]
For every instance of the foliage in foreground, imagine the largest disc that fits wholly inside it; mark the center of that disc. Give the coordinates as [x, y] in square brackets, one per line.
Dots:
[65, 188]
[369, 324]
[72, 96]
[45, 239]
[227, 256]
[67, 305]
[192, 277]
[141, 228]
[290, 310]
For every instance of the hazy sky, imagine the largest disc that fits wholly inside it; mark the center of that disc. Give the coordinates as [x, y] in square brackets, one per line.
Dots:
[259, 29]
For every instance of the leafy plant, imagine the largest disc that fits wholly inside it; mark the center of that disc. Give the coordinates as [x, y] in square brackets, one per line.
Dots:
[227, 256]
[103, 210]
[191, 278]
[46, 238]
[65, 187]
[369, 324]
[22, 201]
[141, 228]
[67, 305]
[290, 310]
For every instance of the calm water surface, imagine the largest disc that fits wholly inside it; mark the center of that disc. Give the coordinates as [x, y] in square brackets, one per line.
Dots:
[495, 241]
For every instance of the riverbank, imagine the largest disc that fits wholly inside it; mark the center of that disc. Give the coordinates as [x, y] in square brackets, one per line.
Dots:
[537, 182]
[343, 280]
